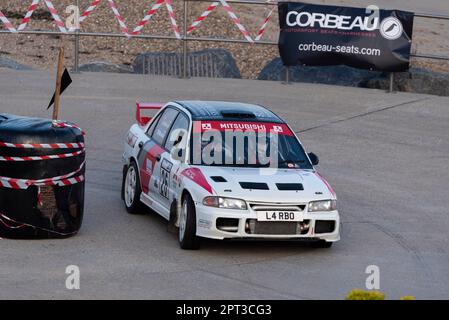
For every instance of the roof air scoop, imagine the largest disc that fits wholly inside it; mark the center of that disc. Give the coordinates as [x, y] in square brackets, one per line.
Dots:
[236, 114]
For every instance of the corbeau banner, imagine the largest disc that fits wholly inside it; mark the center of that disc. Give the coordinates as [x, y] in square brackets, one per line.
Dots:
[320, 35]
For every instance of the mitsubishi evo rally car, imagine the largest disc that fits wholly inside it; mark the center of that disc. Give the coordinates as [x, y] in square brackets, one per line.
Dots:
[224, 170]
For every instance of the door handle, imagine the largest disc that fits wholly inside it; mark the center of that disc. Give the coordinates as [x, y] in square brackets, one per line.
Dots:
[158, 158]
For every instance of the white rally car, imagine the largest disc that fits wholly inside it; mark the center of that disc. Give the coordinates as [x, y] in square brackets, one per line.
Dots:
[225, 170]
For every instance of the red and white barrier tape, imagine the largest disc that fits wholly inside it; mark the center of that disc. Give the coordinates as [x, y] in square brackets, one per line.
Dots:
[231, 14]
[78, 145]
[57, 124]
[264, 25]
[23, 184]
[39, 158]
[142, 23]
[7, 225]
[150, 14]
[63, 124]
[119, 17]
[147, 17]
[89, 10]
[7, 23]
[28, 15]
[55, 16]
[171, 13]
[57, 20]
[124, 29]
[21, 225]
[236, 21]
[228, 8]
[203, 16]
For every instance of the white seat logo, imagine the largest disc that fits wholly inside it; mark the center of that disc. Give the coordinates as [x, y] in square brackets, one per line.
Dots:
[391, 28]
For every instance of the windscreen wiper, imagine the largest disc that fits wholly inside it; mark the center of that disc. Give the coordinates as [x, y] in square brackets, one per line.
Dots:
[292, 161]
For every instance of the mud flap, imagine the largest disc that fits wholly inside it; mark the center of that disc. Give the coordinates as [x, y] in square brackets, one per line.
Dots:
[171, 227]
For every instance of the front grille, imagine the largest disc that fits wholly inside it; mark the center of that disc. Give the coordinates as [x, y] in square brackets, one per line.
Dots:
[253, 226]
[277, 207]
[271, 228]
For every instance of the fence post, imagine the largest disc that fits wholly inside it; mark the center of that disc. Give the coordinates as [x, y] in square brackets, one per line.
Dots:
[184, 42]
[76, 67]
[287, 75]
[391, 87]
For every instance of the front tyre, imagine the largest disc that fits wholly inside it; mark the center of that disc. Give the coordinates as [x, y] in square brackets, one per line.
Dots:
[131, 190]
[187, 237]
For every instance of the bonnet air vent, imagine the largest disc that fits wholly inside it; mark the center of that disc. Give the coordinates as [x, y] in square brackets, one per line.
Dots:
[254, 185]
[218, 179]
[290, 186]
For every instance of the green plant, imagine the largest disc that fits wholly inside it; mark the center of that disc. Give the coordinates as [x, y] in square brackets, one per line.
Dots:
[408, 298]
[358, 294]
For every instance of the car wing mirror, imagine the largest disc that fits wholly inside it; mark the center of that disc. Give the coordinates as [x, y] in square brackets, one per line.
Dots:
[313, 158]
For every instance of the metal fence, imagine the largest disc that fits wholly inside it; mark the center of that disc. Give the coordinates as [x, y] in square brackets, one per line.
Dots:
[181, 65]
[203, 65]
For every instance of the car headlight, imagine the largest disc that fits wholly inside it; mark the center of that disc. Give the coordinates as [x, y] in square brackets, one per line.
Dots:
[225, 203]
[326, 205]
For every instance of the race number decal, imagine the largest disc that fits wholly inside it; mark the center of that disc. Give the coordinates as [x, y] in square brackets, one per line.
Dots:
[166, 167]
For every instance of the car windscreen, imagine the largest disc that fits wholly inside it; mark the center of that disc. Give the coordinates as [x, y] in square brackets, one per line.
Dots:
[246, 144]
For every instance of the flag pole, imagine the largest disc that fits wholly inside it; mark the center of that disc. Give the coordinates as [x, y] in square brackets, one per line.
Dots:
[58, 83]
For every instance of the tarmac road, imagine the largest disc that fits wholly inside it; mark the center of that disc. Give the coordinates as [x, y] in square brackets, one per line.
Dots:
[386, 156]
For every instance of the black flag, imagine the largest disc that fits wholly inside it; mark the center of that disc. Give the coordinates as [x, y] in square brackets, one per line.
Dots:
[65, 83]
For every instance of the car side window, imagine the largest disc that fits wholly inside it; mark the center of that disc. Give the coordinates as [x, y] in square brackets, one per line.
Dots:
[178, 131]
[164, 124]
[152, 126]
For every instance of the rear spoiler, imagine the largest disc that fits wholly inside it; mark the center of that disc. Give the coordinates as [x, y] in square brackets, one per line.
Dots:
[143, 120]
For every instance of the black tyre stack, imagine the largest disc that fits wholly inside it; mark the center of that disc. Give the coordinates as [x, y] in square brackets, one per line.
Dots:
[44, 211]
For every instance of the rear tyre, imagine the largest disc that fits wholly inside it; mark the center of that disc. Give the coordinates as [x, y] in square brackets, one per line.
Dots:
[321, 244]
[131, 190]
[187, 237]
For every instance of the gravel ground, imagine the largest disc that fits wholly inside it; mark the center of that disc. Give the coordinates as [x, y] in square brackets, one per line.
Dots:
[40, 51]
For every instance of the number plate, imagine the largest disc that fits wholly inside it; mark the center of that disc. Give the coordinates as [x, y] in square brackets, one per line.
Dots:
[287, 216]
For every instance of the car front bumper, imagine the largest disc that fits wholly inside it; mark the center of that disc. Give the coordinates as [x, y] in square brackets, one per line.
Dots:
[222, 224]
